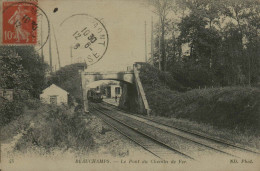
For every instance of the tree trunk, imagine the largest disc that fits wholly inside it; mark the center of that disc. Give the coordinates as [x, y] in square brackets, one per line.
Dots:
[249, 71]
[163, 47]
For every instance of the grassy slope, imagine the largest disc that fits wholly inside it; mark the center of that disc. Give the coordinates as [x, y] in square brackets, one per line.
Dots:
[49, 131]
[47, 128]
[235, 108]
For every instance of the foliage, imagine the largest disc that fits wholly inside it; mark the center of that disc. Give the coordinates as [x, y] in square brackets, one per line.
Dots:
[32, 63]
[157, 79]
[22, 68]
[12, 73]
[229, 107]
[56, 128]
[9, 111]
[33, 104]
[211, 42]
[234, 107]
[162, 8]
[68, 78]
[23, 71]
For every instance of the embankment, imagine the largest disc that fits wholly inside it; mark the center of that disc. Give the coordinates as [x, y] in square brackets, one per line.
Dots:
[229, 107]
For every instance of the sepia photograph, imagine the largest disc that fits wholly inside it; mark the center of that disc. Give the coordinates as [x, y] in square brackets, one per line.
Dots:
[95, 85]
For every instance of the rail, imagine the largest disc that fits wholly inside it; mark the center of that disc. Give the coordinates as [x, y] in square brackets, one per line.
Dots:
[194, 133]
[144, 135]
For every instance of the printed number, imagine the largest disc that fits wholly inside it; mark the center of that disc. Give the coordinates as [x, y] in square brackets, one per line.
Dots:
[77, 46]
[76, 35]
[87, 45]
[8, 35]
[85, 31]
[92, 38]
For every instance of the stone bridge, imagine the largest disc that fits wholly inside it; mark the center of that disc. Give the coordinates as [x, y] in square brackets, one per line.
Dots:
[125, 76]
[130, 77]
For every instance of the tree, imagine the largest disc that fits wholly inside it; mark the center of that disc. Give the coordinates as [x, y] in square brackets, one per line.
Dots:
[245, 19]
[162, 8]
[32, 63]
[212, 43]
[12, 73]
[68, 78]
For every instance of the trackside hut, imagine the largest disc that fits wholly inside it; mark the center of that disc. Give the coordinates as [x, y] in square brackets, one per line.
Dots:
[54, 95]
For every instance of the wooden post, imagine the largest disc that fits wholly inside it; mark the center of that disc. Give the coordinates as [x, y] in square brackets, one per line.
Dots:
[57, 48]
[50, 55]
[42, 43]
[152, 46]
[71, 54]
[145, 41]
[160, 67]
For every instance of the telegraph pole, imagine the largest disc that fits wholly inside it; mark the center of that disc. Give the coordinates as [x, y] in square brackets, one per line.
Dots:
[145, 41]
[160, 67]
[50, 51]
[152, 50]
[56, 46]
[71, 54]
[42, 42]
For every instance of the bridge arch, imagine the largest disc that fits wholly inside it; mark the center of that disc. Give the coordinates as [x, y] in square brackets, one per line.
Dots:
[134, 89]
[125, 76]
[89, 77]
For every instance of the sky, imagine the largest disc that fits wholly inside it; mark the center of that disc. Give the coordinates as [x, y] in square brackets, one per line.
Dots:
[124, 21]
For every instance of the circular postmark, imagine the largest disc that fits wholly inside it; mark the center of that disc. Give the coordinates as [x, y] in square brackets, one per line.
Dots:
[20, 25]
[88, 38]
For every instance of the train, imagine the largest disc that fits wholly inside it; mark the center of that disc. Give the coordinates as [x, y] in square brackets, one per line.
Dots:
[94, 96]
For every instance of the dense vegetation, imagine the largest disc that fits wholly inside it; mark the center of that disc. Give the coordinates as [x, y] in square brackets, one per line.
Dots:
[68, 78]
[44, 126]
[23, 71]
[208, 42]
[228, 107]
[56, 128]
[204, 44]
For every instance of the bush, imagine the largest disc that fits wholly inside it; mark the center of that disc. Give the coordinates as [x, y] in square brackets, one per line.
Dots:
[158, 79]
[9, 111]
[68, 78]
[33, 103]
[57, 128]
[229, 107]
[234, 108]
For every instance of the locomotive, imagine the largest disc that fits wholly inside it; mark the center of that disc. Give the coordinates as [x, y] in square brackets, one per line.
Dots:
[94, 96]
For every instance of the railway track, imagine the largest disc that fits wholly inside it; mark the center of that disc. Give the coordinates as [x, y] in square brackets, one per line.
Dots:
[150, 144]
[208, 142]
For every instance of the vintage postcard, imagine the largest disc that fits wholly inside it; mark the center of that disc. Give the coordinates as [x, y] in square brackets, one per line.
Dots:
[129, 85]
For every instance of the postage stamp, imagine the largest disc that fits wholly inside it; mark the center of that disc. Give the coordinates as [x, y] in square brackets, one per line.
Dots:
[89, 38]
[19, 23]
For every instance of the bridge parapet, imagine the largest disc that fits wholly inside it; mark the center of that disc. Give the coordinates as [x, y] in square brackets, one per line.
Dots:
[130, 76]
[125, 76]
[108, 72]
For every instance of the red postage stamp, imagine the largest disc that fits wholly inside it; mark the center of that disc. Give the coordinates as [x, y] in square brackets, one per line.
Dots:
[19, 23]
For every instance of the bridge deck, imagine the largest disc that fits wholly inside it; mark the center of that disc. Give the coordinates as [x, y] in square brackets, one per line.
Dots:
[108, 72]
